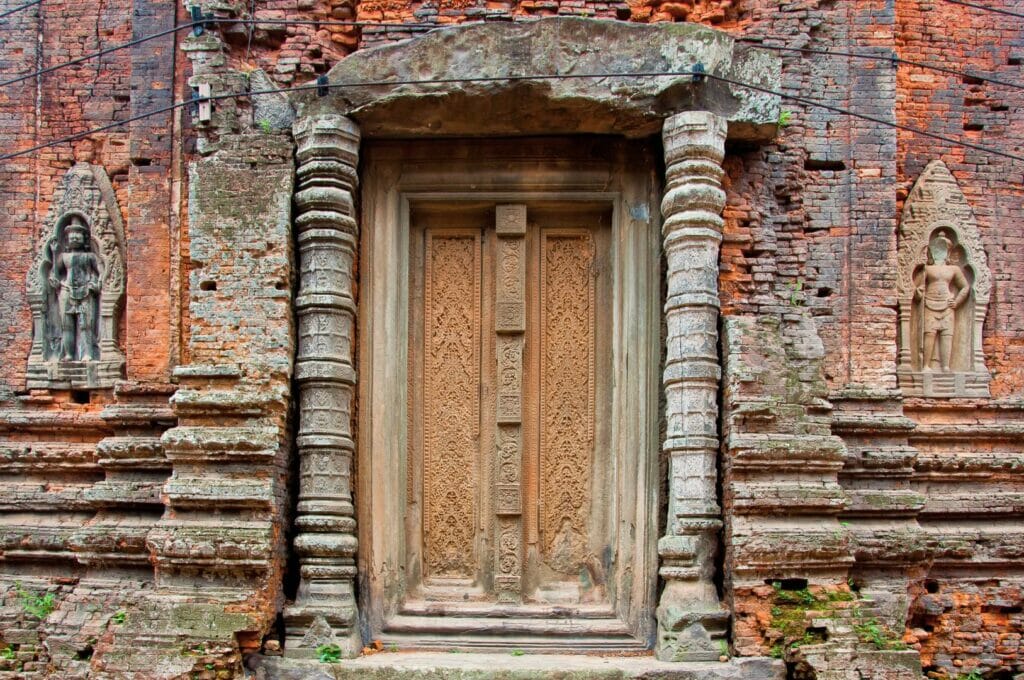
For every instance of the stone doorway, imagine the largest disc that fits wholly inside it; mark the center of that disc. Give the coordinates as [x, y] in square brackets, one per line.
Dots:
[353, 552]
[511, 499]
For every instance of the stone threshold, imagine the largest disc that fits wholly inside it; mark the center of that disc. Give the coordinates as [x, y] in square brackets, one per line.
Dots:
[481, 666]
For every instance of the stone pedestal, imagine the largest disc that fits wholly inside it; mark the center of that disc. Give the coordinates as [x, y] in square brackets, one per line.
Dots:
[690, 616]
[325, 610]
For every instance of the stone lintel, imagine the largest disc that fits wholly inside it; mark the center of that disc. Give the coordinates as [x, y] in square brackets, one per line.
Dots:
[475, 79]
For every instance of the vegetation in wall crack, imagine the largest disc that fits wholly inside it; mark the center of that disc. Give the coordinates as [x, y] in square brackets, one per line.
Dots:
[38, 606]
[328, 653]
[872, 632]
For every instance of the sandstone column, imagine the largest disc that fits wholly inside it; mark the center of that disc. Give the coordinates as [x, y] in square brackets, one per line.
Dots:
[690, 616]
[325, 609]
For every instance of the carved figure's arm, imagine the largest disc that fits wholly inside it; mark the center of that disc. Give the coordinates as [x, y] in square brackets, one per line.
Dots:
[59, 271]
[963, 289]
[95, 276]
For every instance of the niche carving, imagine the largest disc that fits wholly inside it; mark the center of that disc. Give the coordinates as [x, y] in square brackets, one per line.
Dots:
[944, 287]
[76, 286]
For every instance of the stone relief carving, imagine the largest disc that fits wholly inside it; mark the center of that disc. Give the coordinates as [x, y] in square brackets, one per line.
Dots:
[450, 403]
[76, 286]
[510, 327]
[567, 422]
[944, 286]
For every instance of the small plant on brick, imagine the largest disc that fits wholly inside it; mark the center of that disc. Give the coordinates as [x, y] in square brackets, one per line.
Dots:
[119, 617]
[784, 118]
[265, 125]
[7, 653]
[328, 653]
[38, 606]
[874, 633]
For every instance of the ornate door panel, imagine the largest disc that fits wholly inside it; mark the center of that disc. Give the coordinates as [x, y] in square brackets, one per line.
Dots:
[508, 403]
[507, 509]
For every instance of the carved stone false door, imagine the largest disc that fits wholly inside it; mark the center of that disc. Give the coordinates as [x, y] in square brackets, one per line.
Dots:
[508, 516]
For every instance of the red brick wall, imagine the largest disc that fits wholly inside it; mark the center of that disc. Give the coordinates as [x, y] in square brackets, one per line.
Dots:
[810, 222]
[968, 39]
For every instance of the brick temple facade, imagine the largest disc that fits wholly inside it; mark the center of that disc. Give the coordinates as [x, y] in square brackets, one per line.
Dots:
[517, 329]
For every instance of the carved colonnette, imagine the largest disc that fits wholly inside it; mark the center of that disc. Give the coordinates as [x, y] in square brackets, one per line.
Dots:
[689, 614]
[76, 286]
[325, 223]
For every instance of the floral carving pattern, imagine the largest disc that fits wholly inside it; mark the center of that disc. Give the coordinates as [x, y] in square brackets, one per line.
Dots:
[451, 379]
[567, 397]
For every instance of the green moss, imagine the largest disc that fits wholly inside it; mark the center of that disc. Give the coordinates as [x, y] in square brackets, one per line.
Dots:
[790, 616]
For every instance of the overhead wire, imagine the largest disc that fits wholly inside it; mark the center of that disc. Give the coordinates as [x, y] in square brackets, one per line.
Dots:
[11, 11]
[985, 8]
[757, 43]
[808, 101]
[193, 25]
[893, 59]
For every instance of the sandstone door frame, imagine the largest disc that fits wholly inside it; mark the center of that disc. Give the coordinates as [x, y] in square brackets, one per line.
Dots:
[506, 172]
[694, 116]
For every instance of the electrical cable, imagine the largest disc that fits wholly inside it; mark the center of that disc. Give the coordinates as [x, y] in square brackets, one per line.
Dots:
[193, 24]
[881, 121]
[757, 44]
[441, 81]
[994, 10]
[20, 7]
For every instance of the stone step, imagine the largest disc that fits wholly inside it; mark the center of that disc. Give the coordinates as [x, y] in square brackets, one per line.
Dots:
[477, 666]
[487, 627]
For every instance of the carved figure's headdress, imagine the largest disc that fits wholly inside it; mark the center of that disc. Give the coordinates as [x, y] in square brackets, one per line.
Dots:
[939, 243]
[77, 224]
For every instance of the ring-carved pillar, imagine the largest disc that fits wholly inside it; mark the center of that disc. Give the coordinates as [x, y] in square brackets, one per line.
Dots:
[325, 609]
[690, 616]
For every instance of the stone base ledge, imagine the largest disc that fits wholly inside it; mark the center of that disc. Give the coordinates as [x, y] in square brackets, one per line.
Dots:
[474, 666]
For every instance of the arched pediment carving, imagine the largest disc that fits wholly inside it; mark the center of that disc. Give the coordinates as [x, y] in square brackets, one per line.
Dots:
[76, 286]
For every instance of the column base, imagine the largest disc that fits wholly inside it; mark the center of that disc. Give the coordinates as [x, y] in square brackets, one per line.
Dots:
[308, 629]
[687, 635]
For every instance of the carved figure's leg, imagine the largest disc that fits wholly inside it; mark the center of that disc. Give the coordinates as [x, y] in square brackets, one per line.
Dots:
[86, 334]
[67, 327]
[945, 349]
[929, 350]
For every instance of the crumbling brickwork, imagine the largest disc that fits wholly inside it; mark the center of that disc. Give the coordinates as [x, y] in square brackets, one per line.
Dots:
[863, 530]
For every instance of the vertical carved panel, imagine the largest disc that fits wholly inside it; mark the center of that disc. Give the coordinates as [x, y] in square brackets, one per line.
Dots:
[509, 327]
[451, 379]
[566, 397]
[509, 471]
[511, 311]
[510, 378]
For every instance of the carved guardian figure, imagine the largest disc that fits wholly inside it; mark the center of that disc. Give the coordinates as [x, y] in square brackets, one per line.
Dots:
[76, 285]
[75, 280]
[944, 286]
[939, 304]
